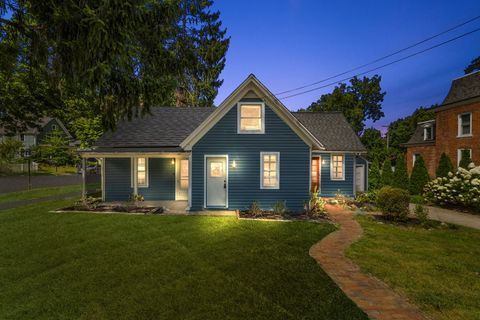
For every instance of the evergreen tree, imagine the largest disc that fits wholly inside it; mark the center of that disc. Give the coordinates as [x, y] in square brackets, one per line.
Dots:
[387, 174]
[400, 176]
[419, 177]
[465, 160]
[374, 177]
[444, 166]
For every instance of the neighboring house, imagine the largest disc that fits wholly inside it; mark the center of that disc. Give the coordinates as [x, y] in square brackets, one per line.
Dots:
[250, 148]
[456, 127]
[36, 136]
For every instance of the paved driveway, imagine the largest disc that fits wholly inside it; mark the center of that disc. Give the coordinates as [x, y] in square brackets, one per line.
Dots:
[451, 216]
[19, 183]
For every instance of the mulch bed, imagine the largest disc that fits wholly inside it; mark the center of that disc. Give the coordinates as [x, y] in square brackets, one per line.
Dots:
[116, 209]
[269, 215]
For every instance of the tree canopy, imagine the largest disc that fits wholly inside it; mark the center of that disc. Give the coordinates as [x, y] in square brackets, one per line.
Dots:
[473, 66]
[359, 101]
[123, 56]
[401, 130]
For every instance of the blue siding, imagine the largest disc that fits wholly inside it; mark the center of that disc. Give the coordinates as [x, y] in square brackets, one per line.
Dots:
[329, 187]
[244, 180]
[117, 179]
[161, 176]
[161, 180]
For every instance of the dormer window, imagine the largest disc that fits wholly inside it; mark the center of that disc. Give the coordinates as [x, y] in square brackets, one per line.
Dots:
[428, 133]
[251, 118]
[465, 124]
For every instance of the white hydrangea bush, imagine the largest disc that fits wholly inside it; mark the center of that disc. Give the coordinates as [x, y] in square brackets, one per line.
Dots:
[461, 188]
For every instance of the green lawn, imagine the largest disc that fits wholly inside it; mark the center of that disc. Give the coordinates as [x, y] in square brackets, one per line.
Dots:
[438, 269]
[51, 170]
[38, 193]
[88, 266]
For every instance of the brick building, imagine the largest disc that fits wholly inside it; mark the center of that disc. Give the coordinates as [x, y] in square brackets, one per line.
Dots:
[455, 129]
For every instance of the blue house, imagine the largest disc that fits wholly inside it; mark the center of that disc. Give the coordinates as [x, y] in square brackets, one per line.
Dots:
[250, 148]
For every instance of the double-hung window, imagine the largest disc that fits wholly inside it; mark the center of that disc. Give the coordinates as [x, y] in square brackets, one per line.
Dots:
[465, 124]
[251, 118]
[461, 153]
[428, 133]
[270, 170]
[338, 167]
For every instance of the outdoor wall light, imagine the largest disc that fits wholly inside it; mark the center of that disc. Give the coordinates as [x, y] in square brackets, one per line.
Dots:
[323, 161]
[234, 164]
[173, 161]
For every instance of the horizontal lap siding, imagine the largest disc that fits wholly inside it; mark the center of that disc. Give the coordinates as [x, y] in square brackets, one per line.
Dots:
[244, 180]
[329, 187]
[161, 180]
[117, 179]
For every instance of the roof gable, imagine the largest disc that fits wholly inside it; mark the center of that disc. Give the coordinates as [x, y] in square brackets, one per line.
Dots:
[252, 87]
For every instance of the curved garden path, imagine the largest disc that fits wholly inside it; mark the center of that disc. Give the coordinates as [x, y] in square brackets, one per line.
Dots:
[373, 296]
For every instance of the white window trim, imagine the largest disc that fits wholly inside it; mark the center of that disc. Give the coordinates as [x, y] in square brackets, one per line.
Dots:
[276, 187]
[425, 133]
[239, 104]
[459, 125]
[134, 167]
[331, 167]
[459, 155]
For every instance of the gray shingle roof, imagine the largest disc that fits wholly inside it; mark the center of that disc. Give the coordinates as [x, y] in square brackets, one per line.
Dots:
[464, 88]
[332, 130]
[417, 137]
[165, 127]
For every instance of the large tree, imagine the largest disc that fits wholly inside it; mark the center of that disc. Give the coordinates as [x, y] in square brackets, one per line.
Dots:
[374, 142]
[401, 130]
[473, 66]
[125, 55]
[359, 101]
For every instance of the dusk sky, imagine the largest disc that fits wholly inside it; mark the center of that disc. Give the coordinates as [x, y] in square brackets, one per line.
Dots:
[290, 43]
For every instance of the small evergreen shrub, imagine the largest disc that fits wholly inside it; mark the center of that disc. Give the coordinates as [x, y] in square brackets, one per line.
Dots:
[387, 174]
[400, 176]
[374, 176]
[419, 177]
[421, 213]
[466, 160]
[393, 203]
[444, 166]
[280, 207]
[367, 197]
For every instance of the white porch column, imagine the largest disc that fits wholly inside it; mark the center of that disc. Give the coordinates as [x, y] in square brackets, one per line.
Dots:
[135, 176]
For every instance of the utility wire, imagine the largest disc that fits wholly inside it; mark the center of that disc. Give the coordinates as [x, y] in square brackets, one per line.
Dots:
[381, 58]
[384, 65]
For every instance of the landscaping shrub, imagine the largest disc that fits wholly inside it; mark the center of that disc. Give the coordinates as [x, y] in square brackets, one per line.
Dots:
[418, 199]
[461, 188]
[421, 213]
[366, 197]
[400, 176]
[374, 177]
[280, 207]
[393, 203]
[419, 177]
[387, 173]
[255, 209]
[466, 160]
[444, 166]
[315, 206]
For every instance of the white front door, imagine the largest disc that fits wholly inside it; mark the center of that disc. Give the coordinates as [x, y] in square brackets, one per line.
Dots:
[360, 178]
[216, 181]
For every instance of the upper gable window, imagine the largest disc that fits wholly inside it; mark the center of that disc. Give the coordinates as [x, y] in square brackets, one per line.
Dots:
[465, 124]
[251, 118]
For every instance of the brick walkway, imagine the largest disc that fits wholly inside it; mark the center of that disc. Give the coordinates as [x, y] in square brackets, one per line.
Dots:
[373, 296]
